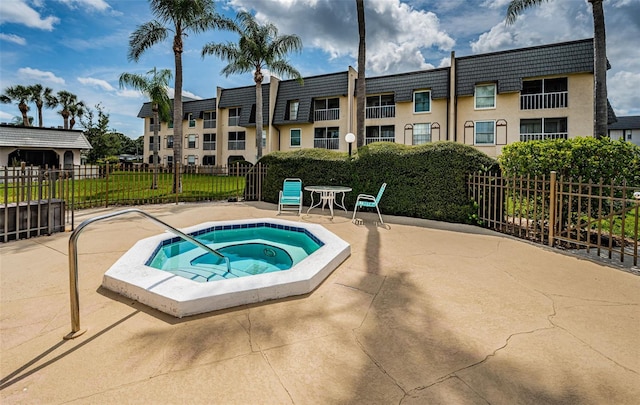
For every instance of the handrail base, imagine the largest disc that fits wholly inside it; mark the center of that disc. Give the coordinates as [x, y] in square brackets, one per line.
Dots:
[73, 335]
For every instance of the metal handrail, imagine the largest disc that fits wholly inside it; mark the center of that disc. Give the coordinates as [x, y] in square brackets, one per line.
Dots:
[73, 260]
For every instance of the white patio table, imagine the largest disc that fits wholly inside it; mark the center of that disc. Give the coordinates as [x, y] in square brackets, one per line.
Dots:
[327, 195]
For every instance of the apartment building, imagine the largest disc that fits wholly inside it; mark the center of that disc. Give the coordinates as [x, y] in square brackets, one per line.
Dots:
[487, 101]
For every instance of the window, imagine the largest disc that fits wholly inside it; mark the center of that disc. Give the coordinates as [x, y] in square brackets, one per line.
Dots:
[192, 121]
[209, 119]
[326, 109]
[543, 128]
[326, 138]
[629, 137]
[383, 133]
[151, 126]
[192, 141]
[422, 101]
[296, 138]
[234, 117]
[484, 132]
[237, 140]
[421, 133]
[191, 160]
[171, 124]
[485, 96]
[169, 160]
[169, 141]
[154, 143]
[381, 106]
[209, 160]
[209, 141]
[292, 110]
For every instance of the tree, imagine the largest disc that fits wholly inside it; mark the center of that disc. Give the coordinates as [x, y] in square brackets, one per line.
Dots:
[21, 94]
[180, 17]
[66, 100]
[41, 96]
[76, 109]
[155, 86]
[104, 142]
[260, 47]
[362, 61]
[601, 106]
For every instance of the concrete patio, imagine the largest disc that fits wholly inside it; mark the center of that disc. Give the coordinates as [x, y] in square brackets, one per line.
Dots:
[421, 313]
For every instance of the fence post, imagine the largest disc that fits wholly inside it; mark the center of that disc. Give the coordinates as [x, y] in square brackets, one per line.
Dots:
[552, 206]
[106, 194]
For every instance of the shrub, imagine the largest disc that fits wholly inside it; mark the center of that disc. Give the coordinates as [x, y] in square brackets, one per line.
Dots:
[590, 158]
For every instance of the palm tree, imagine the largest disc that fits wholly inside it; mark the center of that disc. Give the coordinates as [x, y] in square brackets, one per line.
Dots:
[66, 100]
[516, 7]
[154, 85]
[260, 47]
[180, 17]
[41, 96]
[76, 109]
[362, 61]
[20, 94]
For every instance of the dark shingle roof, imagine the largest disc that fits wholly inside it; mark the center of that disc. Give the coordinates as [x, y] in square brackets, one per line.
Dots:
[330, 85]
[245, 98]
[508, 68]
[36, 137]
[627, 122]
[196, 107]
[404, 84]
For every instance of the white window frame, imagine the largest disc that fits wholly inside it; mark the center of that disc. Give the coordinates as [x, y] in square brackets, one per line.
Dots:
[192, 121]
[495, 98]
[195, 141]
[414, 101]
[291, 145]
[475, 133]
[294, 105]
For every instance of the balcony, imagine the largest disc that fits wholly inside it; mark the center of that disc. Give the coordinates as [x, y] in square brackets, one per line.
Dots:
[209, 123]
[236, 145]
[324, 143]
[542, 101]
[327, 114]
[368, 140]
[234, 121]
[543, 136]
[384, 111]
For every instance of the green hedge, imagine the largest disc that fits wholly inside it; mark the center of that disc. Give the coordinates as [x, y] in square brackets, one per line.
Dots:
[426, 181]
[589, 158]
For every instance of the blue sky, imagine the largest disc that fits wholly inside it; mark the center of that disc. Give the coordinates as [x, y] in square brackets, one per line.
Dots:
[81, 45]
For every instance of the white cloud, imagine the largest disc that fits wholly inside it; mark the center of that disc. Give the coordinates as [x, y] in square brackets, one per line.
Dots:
[6, 116]
[19, 12]
[13, 38]
[185, 93]
[99, 5]
[623, 92]
[39, 75]
[103, 84]
[128, 93]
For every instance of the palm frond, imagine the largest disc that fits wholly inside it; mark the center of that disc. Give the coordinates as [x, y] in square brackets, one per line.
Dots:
[144, 37]
[516, 7]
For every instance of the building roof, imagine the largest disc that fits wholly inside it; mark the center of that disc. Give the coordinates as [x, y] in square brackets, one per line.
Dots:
[36, 137]
[245, 99]
[508, 68]
[626, 122]
[322, 86]
[403, 85]
[195, 107]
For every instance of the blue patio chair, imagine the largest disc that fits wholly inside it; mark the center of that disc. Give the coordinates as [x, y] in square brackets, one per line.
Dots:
[369, 201]
[290, 196]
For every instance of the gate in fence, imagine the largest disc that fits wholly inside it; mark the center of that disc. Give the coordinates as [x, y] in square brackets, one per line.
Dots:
[565, 213]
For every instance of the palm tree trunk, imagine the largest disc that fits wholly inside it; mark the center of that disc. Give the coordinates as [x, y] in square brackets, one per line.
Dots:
[177, 113]
[65, 117]
[361, 88]
[23, 110]
[258, 80]
[600, 68]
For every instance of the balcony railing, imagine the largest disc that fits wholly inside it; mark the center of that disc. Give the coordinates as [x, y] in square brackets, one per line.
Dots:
[369, 140]
[234, 121]
[209, 123]
[384, 111]
[324, 143]
[327, 114]
[209, 145]
[544, 100]
[236, 145]
[541, 136]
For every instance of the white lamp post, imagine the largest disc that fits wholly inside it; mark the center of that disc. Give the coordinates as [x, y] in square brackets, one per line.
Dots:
[350, 138]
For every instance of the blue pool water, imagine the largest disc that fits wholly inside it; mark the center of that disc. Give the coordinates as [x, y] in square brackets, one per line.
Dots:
[251, 248]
